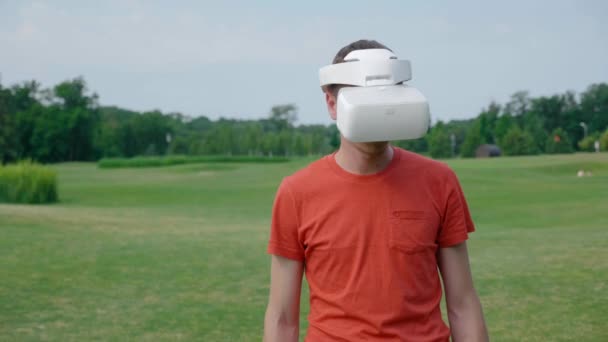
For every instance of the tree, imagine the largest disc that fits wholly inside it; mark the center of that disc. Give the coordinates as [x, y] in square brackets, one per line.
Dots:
[72, 94]
[439, 142]
[113, 134]
[150, 130]
[518, 142]
[50, 140]
[487, 123]
[559, 142]
[8, 150]
[78, 117]
[284, 116]
[22, 99]
[65, 123]
[594, 107]
[459, 129]
[25, 95]
[533, 124]
[604, 141]
[519, 104]
[503, 125]
[334, 136]
[571, 116]
[587, 144]
[416, 145]
[472, 140]
[550, 110]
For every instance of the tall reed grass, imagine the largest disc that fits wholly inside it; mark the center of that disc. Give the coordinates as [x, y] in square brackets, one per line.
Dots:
[27, 182]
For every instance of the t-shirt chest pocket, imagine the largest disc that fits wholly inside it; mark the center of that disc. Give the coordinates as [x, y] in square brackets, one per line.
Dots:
[411, 231]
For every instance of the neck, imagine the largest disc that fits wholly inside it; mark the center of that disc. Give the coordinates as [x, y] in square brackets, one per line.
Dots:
[364, 158]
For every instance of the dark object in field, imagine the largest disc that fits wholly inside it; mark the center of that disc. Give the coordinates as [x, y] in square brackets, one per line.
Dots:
[487, 150]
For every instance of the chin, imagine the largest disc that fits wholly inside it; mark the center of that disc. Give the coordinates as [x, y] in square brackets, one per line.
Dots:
[373, 147]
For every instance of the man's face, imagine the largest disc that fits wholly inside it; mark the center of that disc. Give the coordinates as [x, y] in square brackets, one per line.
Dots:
[332, 108]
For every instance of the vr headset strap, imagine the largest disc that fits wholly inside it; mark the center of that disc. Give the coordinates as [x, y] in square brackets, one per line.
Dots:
[366, 73]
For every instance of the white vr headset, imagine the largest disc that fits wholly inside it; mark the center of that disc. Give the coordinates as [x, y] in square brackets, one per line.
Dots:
[379, 106]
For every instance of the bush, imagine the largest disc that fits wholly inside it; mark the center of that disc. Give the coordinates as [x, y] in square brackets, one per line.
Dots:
[604, 141]
[439, 142]
[588, 143]
[177, 160]
[27, 182]
[471, 141]
[559, 142]
[517, 142]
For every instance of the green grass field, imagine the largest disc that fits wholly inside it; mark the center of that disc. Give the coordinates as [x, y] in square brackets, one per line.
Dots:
[178, 253]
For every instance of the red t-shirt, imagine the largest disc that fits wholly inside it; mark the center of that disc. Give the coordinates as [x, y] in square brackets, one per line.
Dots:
[369, 244]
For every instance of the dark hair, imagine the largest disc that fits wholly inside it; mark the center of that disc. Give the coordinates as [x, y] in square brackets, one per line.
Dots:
[362, 44]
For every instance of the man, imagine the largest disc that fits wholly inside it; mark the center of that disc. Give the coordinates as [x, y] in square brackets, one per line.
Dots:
[371, 224]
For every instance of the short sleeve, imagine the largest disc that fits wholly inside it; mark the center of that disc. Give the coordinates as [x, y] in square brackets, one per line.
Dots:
[456, 223]
[284, 238]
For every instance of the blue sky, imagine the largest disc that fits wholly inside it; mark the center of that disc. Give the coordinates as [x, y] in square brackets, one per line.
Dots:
[239, 58]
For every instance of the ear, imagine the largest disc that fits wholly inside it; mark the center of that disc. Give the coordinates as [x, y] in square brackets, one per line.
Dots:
[330, 99]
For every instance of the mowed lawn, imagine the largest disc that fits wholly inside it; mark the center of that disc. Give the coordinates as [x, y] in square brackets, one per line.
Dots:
[178, 253]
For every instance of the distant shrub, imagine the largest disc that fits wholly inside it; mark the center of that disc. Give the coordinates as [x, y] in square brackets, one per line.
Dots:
[439, 142]
[471, 141]
[178, 159]
[27, 182]
[518, 142]
[604, 141]
[559, 142]
[587, 144]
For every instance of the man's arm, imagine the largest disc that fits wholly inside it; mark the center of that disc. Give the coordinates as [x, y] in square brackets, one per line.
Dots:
[464, 308]
[282, 321]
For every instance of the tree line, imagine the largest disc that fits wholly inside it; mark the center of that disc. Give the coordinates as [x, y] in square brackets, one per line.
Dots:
[525, 125]
[66, 123]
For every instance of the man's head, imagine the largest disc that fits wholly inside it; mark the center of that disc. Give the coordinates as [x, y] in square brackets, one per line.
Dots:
[331, 91]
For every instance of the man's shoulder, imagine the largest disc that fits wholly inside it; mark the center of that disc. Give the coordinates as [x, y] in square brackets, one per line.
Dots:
[428, 165]
[313, 173]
